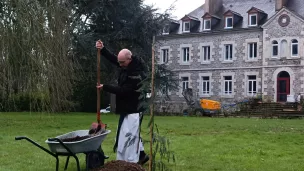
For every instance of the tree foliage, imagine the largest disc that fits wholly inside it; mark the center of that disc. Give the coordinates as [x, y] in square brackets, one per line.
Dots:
[35, 68]
[119, 24]
[48, 54]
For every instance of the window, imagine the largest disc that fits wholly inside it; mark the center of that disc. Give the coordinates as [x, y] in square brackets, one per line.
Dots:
[185, 83]
[205, 85]
[228, 52]
[207, 24]
[165, 55]
[186, 54]
[252, 50]
[186, 27]
[253, 20]
[206, 53]
[229, 22]
[284, 48]
[227, 85]
[166, 29]
[252, 85]
[294, 48]
[275, 48]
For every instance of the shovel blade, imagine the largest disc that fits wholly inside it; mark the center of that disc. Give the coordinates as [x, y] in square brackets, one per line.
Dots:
[96, 127]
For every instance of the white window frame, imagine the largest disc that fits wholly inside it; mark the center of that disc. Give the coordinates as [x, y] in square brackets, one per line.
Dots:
[204, 57]
[254, 50]
[187, 53]
[230, 86]
[294, 44]
[230, 51]
[251, 82]
[205, 89]
[204, 28]
[226, 22]
[185, 83]
[272, 49]
[164, 55]
[184, 26]
[250, 21]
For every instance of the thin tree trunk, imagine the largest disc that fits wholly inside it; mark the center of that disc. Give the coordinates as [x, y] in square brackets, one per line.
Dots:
[152, 108]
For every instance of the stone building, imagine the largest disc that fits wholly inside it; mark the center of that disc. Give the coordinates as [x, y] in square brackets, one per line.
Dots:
[230, 50]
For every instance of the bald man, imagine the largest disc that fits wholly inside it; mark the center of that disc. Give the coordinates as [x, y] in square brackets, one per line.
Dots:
[132, 71]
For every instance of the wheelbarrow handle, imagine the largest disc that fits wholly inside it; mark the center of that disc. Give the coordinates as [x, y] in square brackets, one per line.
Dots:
[20, 138]
[36, 144]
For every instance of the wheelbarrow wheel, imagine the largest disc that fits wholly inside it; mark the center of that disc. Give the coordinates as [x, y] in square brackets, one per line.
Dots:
[95, 159]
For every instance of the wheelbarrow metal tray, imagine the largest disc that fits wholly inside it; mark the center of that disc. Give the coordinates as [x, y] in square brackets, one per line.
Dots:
[82, 146]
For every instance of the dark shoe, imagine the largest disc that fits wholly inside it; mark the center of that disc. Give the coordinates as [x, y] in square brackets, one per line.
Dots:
[143, 160]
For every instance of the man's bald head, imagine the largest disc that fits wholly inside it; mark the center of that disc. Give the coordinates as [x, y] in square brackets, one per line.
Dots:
[124, 57]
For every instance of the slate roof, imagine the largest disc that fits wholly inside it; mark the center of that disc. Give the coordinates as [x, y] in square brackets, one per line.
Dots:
[253, 8]
[191, 17]
[198, 12]
[241, 7]
[296, 6]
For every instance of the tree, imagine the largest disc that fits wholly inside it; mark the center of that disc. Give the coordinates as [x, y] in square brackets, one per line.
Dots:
[119, 24]
[35, 68]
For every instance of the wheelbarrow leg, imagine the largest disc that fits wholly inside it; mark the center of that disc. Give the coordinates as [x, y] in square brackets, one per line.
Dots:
[66, 163]
[77, 161]
[87, 162]
[57, 163]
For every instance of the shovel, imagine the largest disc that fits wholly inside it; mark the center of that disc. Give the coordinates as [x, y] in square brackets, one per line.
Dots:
[99, 126]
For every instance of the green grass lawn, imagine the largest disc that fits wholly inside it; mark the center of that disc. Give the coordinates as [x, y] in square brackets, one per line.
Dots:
[200, 144]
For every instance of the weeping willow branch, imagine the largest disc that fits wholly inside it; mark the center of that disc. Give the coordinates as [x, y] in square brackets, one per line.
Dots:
[34, 44]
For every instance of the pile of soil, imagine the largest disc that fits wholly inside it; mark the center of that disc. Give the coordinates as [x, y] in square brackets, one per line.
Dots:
[77, 138]
[119, 165]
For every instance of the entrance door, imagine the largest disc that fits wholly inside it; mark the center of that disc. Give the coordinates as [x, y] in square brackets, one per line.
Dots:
[283, 86]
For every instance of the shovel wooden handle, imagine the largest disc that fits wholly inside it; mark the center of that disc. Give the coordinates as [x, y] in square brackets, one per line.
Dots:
[98, 83]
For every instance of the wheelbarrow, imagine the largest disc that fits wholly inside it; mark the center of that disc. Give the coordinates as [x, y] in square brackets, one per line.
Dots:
[90, 146]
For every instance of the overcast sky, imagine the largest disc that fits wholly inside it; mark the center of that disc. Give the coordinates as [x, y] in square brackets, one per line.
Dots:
[182, 7]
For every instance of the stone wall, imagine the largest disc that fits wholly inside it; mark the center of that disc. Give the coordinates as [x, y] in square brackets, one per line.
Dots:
[284, 27]
[265, 67]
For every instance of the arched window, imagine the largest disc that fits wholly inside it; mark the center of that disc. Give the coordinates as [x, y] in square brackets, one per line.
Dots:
[283, 48]
[275, 48]
[294, 48]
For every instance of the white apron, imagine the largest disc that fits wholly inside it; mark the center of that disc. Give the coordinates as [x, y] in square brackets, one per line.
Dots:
[129, 143]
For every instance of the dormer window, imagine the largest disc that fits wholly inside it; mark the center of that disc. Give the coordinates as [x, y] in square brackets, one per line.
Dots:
[229, 22]
[166, 29]
[170, 27]
[253, 19]
[255, 16]
[186, 26]
[207, 24]
[210, 21]
[232, 19]
[190, 24]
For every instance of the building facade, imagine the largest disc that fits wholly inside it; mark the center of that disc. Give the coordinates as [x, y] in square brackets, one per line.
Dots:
[231, 50]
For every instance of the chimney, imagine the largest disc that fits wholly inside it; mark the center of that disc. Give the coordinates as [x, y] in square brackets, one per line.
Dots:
[280, 3]
[212, 6]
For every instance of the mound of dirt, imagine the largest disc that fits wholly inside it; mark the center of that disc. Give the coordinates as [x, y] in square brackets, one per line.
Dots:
[119, 165]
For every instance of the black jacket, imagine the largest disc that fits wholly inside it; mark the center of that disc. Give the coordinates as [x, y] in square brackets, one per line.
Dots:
[129, 79]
